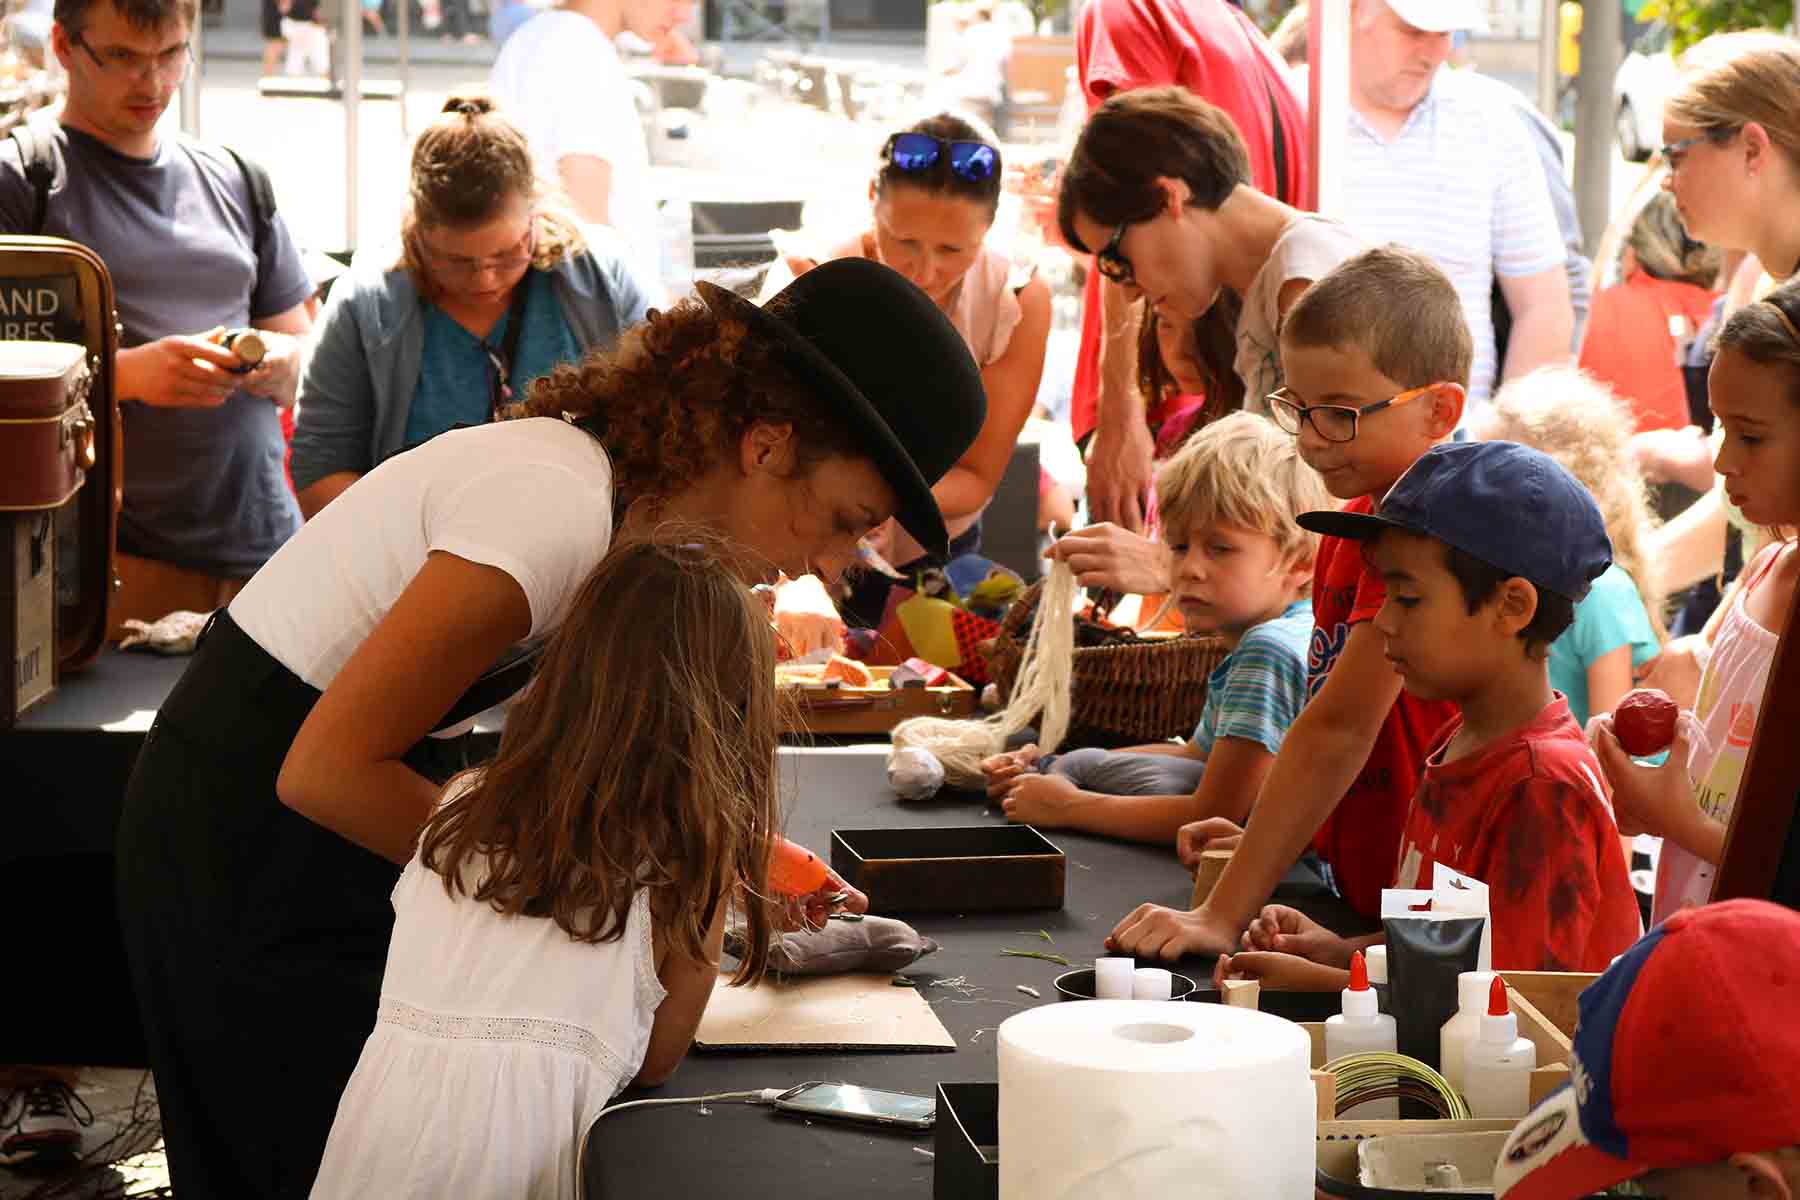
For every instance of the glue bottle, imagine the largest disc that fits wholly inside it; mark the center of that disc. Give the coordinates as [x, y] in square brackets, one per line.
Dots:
[1497, 1079]
[1362, 1029]
[1472, 989]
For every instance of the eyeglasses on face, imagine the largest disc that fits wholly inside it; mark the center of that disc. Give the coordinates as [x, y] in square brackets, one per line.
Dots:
[1333, 422]
[172, 63]
[917, 153]
[1111, 260]
[1675, 153]
[462, 266]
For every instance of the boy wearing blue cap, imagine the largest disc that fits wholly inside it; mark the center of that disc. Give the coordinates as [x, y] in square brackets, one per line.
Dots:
[1485, 548]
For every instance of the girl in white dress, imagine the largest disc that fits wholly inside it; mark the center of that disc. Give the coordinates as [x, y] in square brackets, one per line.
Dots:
[557, 934]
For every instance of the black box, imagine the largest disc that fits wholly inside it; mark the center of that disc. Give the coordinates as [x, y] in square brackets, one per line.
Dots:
[967, 1166]
[981, 868]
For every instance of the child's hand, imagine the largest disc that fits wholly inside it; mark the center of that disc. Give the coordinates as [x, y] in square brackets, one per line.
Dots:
[813, 910]
[1197, 837]
[1045, 800]
[1655, 800]
[1282, 930]
[1152, 931]
[1280, 972]
[1002, 769]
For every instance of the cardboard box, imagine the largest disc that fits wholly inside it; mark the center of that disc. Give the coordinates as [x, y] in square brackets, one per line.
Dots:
[1338, 1143]
[980, 868]
[834, 708]
[967, 1148]
[27, 609]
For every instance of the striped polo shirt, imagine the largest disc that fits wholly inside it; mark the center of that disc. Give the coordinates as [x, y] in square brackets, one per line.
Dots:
[1461, 184]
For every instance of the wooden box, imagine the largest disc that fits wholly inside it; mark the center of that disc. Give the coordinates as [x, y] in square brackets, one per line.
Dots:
[27, 609]
[981, 868]
[835, 708]
[46, 427]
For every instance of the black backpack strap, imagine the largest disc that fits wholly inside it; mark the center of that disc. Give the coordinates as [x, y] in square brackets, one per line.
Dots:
[37, 154]
[262, 199]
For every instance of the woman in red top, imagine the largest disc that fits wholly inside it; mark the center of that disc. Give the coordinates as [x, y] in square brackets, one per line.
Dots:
[1639, 328]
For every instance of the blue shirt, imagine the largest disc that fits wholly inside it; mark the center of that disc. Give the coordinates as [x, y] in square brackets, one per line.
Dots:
[455, 380]
[1612, 616]
[1259, 688]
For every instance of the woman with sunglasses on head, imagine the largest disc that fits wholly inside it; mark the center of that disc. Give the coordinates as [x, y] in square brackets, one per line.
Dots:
[492, 285]
[288, 774]
[933, 201]
[1158, 190]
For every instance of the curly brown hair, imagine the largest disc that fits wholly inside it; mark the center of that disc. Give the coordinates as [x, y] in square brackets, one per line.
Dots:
[672, 401]
[633, 762]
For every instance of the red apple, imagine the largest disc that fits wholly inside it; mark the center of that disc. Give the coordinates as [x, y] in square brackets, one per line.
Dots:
[1644, 722]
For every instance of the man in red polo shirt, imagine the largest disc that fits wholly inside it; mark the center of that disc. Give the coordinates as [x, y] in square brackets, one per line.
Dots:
[1216, 52]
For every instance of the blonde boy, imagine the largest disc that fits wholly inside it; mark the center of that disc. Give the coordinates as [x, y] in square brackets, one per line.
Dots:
[1376, 356]
[1240, 567]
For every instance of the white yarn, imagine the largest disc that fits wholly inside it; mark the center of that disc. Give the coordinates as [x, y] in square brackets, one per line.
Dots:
[1042, 686]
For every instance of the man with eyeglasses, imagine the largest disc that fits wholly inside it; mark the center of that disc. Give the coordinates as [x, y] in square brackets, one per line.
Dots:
[206, 500]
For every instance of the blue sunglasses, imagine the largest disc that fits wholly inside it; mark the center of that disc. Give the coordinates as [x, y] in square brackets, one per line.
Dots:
[915, 153]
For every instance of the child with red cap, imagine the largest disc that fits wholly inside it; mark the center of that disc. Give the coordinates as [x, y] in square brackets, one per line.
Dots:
[1682, 1072]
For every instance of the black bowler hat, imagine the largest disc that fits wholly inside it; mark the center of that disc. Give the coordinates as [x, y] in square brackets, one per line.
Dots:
[886, 359]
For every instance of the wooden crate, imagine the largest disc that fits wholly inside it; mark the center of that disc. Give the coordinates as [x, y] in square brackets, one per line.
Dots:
[817, 708]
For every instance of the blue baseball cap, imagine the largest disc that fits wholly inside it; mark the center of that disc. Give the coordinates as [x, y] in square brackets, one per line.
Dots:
[1508, 505]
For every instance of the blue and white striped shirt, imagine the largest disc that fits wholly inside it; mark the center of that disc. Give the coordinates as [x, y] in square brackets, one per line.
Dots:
[1257, 691]
[1459, 183]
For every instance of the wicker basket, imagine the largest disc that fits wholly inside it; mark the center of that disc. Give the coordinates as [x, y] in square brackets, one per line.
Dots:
[1142, 689]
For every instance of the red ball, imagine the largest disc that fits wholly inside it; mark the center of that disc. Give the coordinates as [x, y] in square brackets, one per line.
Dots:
[1644, 722]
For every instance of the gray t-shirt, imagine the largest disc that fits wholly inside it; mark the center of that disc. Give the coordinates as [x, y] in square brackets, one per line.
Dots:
[204, 487]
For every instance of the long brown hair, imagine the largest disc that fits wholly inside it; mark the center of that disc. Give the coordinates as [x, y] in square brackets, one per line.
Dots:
[1131, 141]
[673, 400]
[1155, 381]
[467, 165]
[641, 756]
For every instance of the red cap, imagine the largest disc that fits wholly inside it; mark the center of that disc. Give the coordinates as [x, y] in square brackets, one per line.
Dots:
[1684, 1055]
[1359, 972]
[1498, 1005]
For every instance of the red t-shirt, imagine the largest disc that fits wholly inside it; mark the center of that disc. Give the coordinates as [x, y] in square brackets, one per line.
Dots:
[1629, 346]
[1527, 816]
[1212, 49]
[1361, 838]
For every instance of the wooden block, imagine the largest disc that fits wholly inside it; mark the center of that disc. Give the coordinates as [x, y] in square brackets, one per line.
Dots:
[1243, 993]
[1325, 1094]
[1206, 875]
[1555, 994]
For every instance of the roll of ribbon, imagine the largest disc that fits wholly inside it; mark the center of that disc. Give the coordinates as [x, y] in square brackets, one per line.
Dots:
[1122, 1099]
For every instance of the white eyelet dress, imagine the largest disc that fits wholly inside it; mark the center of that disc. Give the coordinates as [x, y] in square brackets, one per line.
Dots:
[499, 1040]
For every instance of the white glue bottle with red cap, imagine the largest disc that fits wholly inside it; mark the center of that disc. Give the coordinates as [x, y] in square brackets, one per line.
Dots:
[1362, 1029]
[1497, 1072]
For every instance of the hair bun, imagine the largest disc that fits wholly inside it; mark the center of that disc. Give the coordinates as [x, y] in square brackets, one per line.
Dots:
[469, 106]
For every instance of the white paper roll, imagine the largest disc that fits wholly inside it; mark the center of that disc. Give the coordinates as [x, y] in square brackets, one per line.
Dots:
[1112, 977]
[1151, 983]
[1120, 1099]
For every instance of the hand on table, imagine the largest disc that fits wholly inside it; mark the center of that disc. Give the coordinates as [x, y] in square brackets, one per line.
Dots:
[805, 618]
[1280, 972]
[1197, 837]
[1115, 558]
[1001, 769]
[1047, 801]
[1152, 931]
[1286, 931]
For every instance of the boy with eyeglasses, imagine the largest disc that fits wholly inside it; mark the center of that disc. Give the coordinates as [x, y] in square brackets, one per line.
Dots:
[195, 247]
[1376, 355]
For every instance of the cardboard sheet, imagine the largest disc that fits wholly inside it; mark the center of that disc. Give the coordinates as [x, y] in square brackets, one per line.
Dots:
[830, 1012]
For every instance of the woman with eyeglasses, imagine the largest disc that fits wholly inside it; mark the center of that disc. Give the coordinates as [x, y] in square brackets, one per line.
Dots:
[1158, 190]
[932, 202]
[494, 285]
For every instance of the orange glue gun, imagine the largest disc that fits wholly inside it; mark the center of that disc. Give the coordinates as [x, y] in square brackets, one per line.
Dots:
[794, 870]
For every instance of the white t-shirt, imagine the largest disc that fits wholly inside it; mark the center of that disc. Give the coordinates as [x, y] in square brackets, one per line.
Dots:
[559, 80]
[1306, 249]
[530, 497]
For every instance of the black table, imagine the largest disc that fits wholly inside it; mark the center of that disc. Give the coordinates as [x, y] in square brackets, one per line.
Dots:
[738, 1150]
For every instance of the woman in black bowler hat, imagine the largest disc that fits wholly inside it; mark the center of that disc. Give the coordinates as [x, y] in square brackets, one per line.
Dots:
[287, 776]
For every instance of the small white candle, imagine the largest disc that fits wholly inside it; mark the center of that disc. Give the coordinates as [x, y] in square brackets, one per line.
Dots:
[1112, 978]
[1151, 983]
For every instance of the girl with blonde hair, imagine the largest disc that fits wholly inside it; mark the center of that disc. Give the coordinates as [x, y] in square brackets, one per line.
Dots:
[1575, 419]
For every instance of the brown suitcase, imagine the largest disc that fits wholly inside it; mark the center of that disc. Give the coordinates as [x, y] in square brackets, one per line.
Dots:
[55, 290]
[46, 427]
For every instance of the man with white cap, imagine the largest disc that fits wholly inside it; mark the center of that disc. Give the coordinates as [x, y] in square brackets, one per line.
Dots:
[1440, 165]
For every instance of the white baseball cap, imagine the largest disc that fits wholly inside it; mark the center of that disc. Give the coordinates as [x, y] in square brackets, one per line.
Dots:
[1442, 16]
